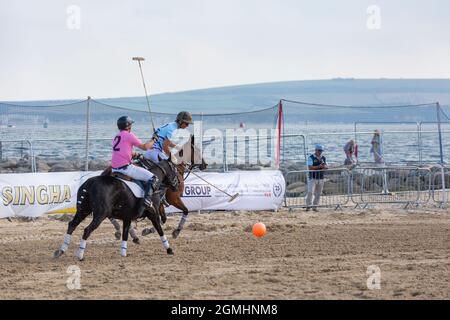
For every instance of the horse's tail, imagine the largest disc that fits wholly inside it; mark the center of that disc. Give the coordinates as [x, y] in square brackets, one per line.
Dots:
[83, 203]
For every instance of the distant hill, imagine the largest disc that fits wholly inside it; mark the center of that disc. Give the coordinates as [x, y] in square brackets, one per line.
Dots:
[355, 92]
[370, 92]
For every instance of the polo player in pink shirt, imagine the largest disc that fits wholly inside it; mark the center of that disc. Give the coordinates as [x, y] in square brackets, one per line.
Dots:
[122, 155]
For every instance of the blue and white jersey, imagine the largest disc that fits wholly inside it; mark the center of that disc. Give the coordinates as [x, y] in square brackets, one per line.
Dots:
[165, 132]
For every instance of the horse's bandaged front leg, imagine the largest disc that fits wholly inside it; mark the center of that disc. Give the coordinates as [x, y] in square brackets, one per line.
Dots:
[81, 250]
[123, 249]
[182, 222]
[165, 242]
[66, 243]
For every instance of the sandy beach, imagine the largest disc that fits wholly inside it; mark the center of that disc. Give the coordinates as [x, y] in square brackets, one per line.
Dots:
[324, 255]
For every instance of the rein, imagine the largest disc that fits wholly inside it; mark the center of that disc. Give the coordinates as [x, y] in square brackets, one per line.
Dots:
[153, 165]
[144, 164]
[189, 169]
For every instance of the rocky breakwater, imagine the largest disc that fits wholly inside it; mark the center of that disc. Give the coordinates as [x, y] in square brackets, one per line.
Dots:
[23, 165]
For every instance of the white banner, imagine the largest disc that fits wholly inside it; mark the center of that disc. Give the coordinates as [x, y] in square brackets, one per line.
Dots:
[258, 190]
[34, 194]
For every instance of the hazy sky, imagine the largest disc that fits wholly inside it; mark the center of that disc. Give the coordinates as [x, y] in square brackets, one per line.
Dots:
[194, 44]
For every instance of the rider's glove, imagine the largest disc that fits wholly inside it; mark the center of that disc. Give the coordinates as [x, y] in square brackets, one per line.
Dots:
[137, 156]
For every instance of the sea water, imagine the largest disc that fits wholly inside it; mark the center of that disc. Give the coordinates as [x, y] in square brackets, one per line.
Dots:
[401, 143]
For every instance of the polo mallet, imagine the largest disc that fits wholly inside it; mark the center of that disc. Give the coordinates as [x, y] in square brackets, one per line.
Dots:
[139, 59]
[232, 198]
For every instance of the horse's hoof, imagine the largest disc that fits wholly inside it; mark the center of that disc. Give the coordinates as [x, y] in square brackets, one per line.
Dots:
[170, 251]
[58, 253]
[175, 233]
[118, 235]
[147, 231]
[136, 241]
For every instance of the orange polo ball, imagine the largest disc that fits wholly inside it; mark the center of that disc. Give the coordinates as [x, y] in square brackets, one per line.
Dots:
[259, 229]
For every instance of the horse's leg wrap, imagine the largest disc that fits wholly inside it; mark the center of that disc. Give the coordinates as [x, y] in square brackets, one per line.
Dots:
[66, 243]
[123, 249]
[133, 233]
[182, 222]
[115, 224]
[80, 254]
[165, 242]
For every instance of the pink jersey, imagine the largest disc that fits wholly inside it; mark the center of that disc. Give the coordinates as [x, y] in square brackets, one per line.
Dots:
[123, 148]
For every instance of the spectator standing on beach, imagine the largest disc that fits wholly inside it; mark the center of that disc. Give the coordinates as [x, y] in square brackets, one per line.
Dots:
[376, 147]
[317, 163]
[349, 149]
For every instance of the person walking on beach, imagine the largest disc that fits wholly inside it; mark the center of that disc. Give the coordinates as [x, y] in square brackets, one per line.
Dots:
[376, 147]
[350, 150]
[317, 163]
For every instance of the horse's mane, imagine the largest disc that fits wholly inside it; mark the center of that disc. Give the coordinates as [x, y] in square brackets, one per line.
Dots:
[107, 171]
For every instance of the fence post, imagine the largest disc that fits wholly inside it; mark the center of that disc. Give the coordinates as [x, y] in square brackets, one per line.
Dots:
[438, 112]
[419, 140]
[284, 134]
[88, 119]
[224, 142]
[444, 191]
[305, 153]
[33, 157]
[280, 124]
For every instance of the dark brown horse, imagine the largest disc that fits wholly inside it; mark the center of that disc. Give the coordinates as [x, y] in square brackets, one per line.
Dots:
[107, 197]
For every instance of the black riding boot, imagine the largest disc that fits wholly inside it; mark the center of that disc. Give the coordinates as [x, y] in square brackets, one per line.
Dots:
[150, 187]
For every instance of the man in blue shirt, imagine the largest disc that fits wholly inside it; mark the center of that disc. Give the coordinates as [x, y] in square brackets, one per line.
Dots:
[317, 163]
[161, 148]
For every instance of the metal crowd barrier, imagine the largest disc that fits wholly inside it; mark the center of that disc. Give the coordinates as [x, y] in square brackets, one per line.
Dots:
[336, 188]
[364, 186]
[440, 185]
[18, 155]
[401, 185]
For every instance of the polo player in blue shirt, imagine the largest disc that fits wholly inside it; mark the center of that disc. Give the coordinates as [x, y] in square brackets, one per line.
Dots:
[161, 148]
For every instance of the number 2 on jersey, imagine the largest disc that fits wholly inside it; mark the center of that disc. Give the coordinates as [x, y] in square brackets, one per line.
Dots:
[117, 141]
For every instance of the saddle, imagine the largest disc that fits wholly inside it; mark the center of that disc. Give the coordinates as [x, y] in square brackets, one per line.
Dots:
[130, 182]
[148, 165]
[121, 176]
